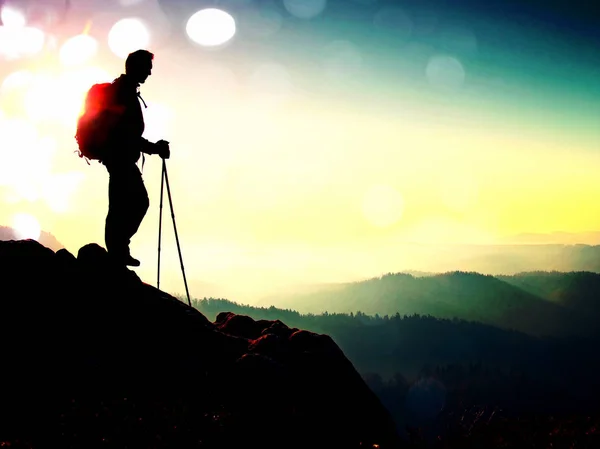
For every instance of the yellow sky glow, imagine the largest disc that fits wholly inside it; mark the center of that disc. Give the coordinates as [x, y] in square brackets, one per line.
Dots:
[267, 187]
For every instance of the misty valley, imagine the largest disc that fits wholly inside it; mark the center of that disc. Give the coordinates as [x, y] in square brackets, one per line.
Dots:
[460, 349]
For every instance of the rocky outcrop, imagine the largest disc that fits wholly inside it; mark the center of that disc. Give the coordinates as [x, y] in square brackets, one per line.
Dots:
[94, 357]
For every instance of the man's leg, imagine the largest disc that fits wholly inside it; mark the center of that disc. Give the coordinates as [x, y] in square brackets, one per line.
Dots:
[139, 203]
[128, 203]
[118, 205]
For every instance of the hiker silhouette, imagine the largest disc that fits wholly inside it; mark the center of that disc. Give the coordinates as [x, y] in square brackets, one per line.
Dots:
[127, 195]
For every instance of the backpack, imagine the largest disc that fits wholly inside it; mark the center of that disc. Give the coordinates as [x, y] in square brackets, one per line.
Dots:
[94, 125]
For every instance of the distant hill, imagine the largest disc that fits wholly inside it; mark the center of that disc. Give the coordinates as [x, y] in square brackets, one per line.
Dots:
[506, 259]
[502, 302]
[424, 260]
[46, 238]
[570, 238]
[390, 344]
[579, 290]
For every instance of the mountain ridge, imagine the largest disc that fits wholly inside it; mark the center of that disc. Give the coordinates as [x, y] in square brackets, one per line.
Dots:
[102, 341]
[46, 238]
[466, 295]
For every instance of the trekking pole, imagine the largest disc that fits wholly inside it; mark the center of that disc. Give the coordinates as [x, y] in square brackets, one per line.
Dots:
[162, 182]
[166, 178]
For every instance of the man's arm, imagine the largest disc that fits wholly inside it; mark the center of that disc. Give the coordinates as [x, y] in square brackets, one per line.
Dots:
[161, 148]
[148, 147]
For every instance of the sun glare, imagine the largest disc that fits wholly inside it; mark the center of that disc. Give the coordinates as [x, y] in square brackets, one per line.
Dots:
[18, 42]
[383, 206]
[17, 137]
[40, 99]
[210, 27]
[26, 227]
[59, 98]
[60, 188]
[16, 80]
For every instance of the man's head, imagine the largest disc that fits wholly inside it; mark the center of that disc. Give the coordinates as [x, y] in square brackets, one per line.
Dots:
[138, 65]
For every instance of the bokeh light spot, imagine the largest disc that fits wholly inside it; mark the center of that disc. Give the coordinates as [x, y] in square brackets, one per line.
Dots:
[12, 18]
[210, 27]
[16, 80]
[305, 9]
[127, 36]
[18, 42]
[78, 50]
[13, 89]
[31, 41]
[445, 72]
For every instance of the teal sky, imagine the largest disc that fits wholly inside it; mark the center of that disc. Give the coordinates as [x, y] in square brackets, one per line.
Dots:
[513, 65]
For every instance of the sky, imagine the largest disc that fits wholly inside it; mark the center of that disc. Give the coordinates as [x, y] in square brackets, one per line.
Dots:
[320, 140]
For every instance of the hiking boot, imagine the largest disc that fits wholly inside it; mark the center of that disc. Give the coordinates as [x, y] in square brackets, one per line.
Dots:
[124, 259]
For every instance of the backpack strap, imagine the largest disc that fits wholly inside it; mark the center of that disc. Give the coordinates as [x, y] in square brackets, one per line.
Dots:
[140, 97]
[146, 106]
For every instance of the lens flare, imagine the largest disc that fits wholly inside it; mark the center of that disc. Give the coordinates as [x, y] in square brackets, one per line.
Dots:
[26, 226]
[127, 36]
[210, 27]
[445, 72]
[19, 42]
[32, 41]
[16, 80]
[12, 18]
[59, 98]
[78, 50]
[305, 9]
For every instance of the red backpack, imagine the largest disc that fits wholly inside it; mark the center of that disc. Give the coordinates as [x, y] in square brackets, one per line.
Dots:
[95, 124]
